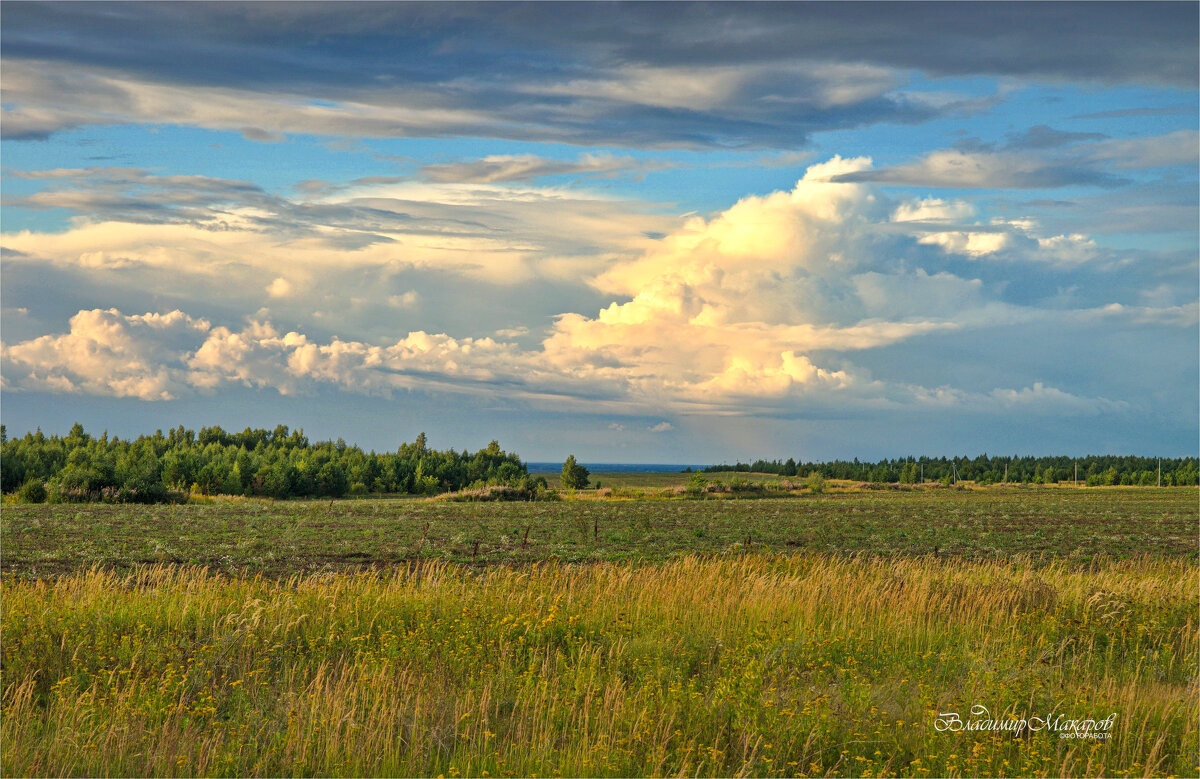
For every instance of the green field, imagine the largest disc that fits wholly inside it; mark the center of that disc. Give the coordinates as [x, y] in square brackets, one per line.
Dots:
[660, 481]
[240, 536]
[809, 635]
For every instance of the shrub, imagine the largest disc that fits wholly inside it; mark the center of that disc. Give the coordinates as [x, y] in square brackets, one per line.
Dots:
[499, 492]
[32, 491]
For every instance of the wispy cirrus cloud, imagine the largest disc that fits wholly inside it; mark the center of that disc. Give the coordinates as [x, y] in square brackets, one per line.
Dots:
[955, 168]
[499, 168]
[203, 225]
[1046, 159]
[1124, 113]
[1045, 137]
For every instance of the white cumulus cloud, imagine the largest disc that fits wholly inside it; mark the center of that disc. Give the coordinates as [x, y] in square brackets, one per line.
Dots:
[279, 288]
[762, 305]
[108, 353]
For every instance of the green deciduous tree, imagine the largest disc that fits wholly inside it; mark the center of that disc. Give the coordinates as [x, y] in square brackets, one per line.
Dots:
[574, 475]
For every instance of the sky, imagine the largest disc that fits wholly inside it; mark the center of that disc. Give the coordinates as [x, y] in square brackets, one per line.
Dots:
[632, 232]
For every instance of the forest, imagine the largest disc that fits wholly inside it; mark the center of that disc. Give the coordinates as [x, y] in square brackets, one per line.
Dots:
[279, 463]
[283, 463]
[1093, 470]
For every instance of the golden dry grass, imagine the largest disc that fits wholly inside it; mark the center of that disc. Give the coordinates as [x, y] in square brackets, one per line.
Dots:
[756, 665]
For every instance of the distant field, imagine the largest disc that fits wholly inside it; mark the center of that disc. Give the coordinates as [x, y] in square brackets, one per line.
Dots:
[282, 538]
[658, 481]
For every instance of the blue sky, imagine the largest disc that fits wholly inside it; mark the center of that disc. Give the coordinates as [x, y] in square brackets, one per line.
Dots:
[633, 232]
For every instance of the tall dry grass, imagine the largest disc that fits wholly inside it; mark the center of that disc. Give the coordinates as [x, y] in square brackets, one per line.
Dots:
[755, 665]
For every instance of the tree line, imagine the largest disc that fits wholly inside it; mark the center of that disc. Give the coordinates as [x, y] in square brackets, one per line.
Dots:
[279, 463]
[1093, 471]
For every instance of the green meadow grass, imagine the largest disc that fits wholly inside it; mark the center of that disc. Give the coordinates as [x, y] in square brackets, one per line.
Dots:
[240, 536]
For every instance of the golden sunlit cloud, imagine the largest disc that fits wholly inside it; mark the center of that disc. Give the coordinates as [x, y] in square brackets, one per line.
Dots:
[749, 305]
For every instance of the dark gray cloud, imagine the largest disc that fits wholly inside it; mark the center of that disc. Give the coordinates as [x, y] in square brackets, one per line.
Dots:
[238, 44]
[635, 105]
[633, 74]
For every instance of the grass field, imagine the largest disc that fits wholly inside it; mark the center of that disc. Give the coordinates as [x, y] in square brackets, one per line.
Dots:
[282, 538]
[659, 481]
[816, 635]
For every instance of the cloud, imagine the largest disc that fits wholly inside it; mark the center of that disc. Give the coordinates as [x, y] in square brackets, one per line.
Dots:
[772, 304]
[1181, 147]
[1039, 163]
[279, 288]
[1183, 315]
[524, 167]
[734, 306]
[950, 224]
[137, 196]
[164, 356]
[201, 226]
[1109, 43]
[1044, 137]
[159, 357]
[697, 76]
[933, 210]
[634, 107]
[407, 299]
[1036, 400]
[108, 353]
[1158, 205]
[956, 168]
[1122, 113]
[262, 136]
[47, 97]
[1050, 400]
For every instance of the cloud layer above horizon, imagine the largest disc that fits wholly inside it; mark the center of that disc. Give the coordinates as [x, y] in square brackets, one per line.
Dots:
[605, 217]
